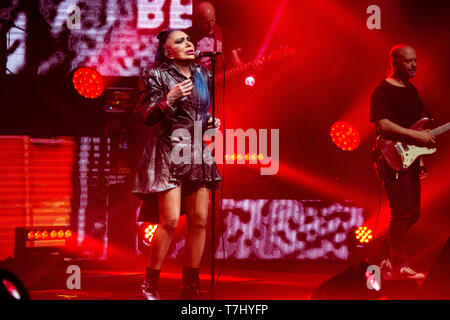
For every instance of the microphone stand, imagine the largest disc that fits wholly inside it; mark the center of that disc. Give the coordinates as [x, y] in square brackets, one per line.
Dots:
[213, 195]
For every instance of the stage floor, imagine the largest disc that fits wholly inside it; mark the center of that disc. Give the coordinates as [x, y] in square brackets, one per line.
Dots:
[239, 280]
[242, 280]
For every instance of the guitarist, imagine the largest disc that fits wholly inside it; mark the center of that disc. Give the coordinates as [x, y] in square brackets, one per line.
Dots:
[396, 106]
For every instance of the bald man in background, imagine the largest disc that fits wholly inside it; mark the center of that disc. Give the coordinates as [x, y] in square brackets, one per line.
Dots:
[206, 35]
[395, 107]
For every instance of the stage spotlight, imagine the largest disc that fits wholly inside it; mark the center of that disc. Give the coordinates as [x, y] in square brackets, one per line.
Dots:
[88, 82]
[149, 232]
[363, 234]
[345, 135]
[250, 81]
[37, 240]
[248, 158]
[11, 288]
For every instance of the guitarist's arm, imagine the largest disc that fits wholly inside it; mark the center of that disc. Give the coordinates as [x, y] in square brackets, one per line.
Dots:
[387, 127]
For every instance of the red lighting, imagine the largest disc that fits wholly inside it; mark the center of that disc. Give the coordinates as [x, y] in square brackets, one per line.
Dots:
[345, 135]
[11, 288]
[49, 235]
[149, 232]
[88, 82]
[363, 234]
[250, 81]
[248, 157]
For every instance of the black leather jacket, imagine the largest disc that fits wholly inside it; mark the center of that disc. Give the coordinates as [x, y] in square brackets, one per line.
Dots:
[156, 171]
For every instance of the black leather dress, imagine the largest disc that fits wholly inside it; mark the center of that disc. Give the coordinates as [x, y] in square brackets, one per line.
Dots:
[156, 171]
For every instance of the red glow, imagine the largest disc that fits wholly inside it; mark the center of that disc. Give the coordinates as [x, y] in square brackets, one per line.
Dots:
[88, 82]
[345, 135]
[250, 81]
[49, 235]
[363, 234]
[251, 158]
[272, 28]
[149, 232]
[321, 184]
[11, 288]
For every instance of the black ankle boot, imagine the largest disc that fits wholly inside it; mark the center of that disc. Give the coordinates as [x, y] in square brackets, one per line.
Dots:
[150, 287]
[190, 289]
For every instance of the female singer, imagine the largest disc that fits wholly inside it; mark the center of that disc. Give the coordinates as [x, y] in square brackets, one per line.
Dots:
[176, 99]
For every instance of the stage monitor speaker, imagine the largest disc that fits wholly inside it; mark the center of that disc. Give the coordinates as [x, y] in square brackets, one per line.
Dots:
[437, 283]
[352, 285]
[348, 285]
[11, 288]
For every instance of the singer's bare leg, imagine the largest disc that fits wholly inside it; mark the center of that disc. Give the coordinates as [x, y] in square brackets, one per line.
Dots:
[169, 206]
[197, 217]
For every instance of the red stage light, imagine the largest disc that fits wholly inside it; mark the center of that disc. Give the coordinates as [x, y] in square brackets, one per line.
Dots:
[363, 234]
[88, 82]
[46, 235]
[11, 288]
[247, 157]
[345, 135]
[149, 232]
[250, 81]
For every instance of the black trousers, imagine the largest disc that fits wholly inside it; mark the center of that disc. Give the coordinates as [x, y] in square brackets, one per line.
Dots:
[404, 192]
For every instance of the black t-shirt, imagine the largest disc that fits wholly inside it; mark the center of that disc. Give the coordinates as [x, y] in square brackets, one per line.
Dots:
[401, 105]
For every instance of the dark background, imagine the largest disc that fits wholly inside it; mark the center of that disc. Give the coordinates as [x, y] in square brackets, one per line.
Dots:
[338, 63]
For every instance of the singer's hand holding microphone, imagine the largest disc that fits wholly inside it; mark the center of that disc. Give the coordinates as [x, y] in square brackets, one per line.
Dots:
[183, 89]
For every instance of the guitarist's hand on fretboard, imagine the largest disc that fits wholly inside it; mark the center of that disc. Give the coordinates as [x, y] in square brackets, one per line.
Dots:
[424, 137]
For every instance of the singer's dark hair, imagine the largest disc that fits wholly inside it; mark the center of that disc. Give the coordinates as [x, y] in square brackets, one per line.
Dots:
[160, 57]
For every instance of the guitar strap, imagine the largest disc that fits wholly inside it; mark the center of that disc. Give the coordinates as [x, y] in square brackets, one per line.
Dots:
[427, 114]
[424, 109]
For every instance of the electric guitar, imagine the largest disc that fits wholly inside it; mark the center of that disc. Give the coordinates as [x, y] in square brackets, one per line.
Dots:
[400, 155]
[276, 54]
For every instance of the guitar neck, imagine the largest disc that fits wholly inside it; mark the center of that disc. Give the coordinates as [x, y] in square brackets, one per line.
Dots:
[439, 130]
[233, 71]
[276, 54]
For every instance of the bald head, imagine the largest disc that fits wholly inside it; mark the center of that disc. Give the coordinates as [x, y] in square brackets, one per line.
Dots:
[403, 61]
[205, 17]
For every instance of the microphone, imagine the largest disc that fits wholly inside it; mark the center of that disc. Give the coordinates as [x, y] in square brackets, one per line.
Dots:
[201, 54]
